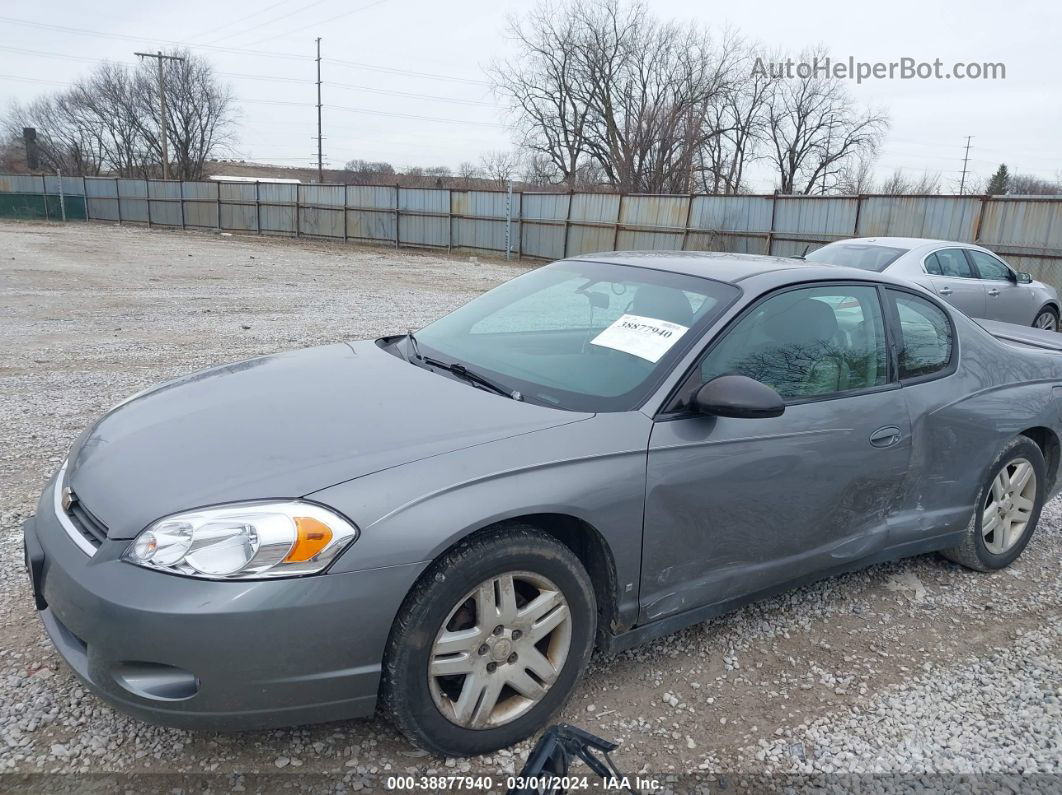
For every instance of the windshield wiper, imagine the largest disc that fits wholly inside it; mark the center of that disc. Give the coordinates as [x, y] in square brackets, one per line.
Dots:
[472, 377]
[413, 344]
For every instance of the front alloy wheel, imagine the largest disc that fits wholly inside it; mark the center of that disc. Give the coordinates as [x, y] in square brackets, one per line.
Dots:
[490, 642]
[500, 650]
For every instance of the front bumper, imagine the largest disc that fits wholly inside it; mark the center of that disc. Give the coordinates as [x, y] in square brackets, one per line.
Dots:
[214, 655]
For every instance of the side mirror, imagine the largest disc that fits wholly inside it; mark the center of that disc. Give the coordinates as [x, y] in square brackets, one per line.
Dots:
[738, 396]
[1024, 278]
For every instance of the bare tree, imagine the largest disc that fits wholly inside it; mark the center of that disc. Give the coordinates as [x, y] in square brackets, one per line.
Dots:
[468, 172]
[109, 121]
[499, 167]
[856, 176]
[739, 120]
[1031, 185]
[603, 82]
[544, 86]
[814, 129]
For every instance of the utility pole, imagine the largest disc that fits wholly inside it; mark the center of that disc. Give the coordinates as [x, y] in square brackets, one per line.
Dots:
[162, 104]
[965, 160]
[320, 158]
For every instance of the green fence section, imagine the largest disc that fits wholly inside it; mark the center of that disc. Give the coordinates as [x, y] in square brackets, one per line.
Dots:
[39, 205]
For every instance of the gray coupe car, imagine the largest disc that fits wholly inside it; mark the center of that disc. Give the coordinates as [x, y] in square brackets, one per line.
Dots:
[596, 453]
[970, 277]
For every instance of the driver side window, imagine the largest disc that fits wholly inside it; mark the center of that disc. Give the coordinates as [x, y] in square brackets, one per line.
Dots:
[807, 343]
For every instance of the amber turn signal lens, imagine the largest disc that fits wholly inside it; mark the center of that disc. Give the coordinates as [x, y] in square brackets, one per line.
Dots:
[313, 537]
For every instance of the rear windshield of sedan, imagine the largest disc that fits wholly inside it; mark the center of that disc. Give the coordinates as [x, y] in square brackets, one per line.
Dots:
[583, 336]
[866, 256]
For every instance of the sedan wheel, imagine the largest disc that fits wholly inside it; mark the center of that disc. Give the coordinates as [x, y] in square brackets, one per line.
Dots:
[500, 650]
[1009, 506]
[490, 642]
[1046, 320]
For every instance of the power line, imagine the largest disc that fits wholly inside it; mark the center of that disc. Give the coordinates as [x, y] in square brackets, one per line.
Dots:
[316, 24]
[238, 50]
[238, 20]
[291, 13]
[377, 112]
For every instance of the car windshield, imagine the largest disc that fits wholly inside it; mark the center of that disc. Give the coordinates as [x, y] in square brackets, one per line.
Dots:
[867, 256]
[583, 336]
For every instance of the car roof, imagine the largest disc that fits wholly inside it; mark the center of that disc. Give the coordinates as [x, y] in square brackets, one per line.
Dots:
[906, 242]
[734, 267]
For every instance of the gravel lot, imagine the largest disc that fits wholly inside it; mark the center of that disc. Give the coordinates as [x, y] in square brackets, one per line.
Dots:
[918, 667]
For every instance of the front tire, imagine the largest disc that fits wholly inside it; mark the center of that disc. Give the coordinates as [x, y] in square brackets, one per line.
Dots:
[490, 643]
[1047, 319]
[1007, 508]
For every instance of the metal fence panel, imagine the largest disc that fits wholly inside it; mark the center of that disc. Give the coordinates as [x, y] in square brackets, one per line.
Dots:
[199, 202]
[943, 217]
[164, 202]
[277, 207]
[542, 239]
[381, 197]
[102, 198]
[372, 226]
[419, 230]
[479, 220]
[21, 183]
[132, 199]
[1030, 223]
[821, 217]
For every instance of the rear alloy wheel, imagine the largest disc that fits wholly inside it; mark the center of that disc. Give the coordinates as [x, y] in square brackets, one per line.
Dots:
[1008, 508]
[489, 643]
[1047, 320]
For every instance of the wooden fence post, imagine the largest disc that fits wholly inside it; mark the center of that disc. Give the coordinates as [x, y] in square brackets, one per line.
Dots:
[118, 199]
[84, 195]
[398, 213]
[980, 219]
[686, 228]
[770, 231]
[619, 217]
[567, 226]
[44, 197]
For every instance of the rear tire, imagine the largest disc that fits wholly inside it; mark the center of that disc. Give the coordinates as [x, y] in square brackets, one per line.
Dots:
[1047, 319]
[512, 615]
[1007, 508]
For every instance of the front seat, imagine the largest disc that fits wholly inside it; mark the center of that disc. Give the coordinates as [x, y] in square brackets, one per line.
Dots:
[804, 347]
[662, 303]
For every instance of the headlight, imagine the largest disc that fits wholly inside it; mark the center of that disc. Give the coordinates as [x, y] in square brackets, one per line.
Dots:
[254, 540]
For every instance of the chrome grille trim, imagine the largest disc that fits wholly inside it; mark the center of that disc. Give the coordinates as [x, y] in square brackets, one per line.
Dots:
[76, 535]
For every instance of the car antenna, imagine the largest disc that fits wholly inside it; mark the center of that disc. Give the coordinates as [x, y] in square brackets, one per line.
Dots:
[804, 253]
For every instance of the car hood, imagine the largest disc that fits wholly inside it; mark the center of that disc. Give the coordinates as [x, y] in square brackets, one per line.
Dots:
[281, 426]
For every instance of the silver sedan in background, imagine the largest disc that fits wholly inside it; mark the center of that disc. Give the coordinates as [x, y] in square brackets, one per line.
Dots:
[971, 277]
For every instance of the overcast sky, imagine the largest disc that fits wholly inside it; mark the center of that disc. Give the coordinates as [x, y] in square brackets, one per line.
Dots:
[425, 59]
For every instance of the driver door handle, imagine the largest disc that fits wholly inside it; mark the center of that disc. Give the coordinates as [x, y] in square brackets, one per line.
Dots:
[993, 292]
[944, 291]
[885, 437]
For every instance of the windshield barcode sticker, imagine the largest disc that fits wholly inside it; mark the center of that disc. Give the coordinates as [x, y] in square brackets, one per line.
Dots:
[644, 337]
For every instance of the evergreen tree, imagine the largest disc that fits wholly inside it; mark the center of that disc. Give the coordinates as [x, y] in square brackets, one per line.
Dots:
[1000, 182]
